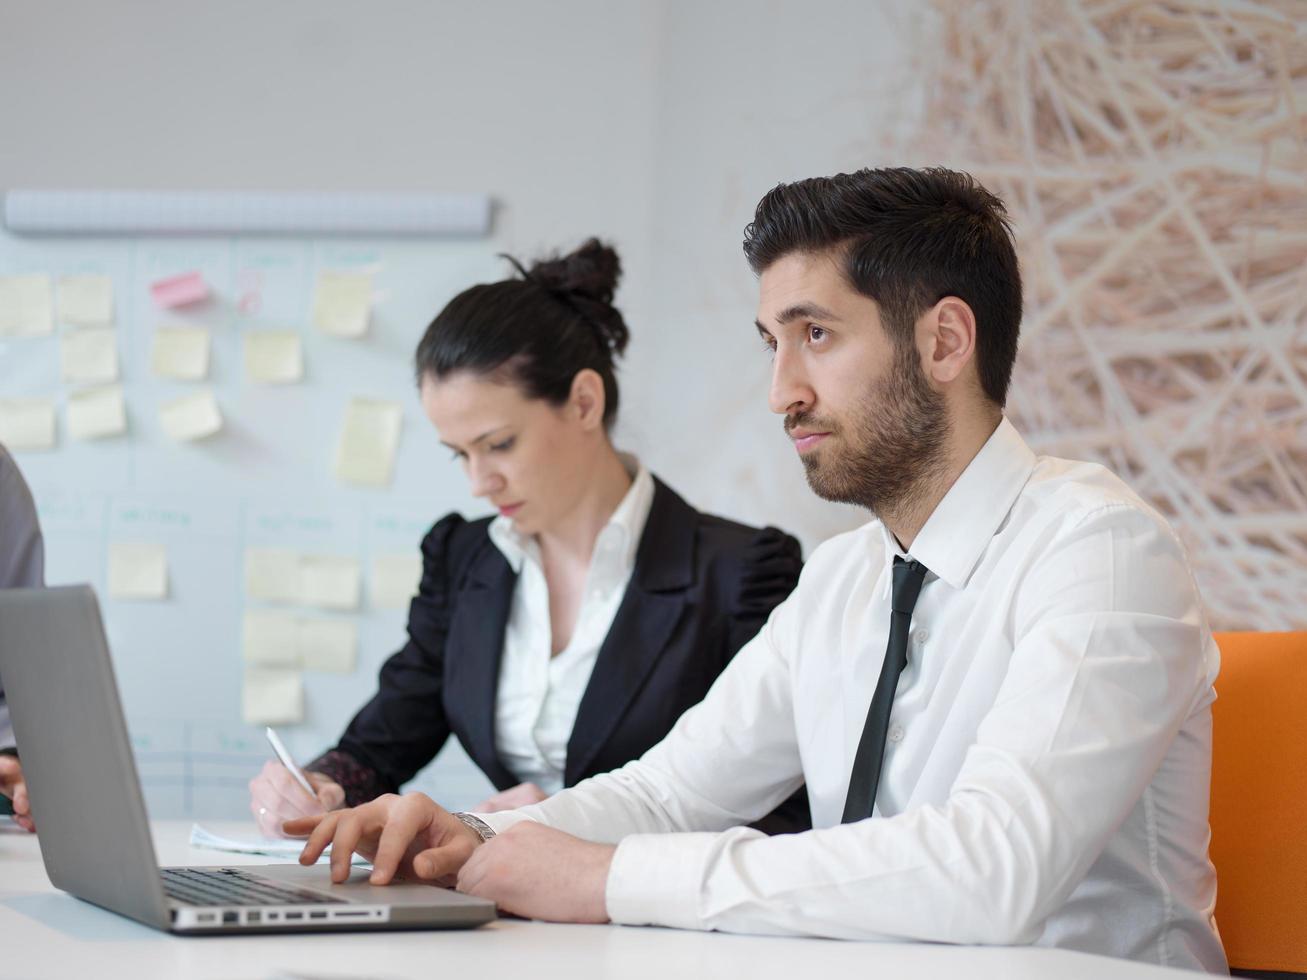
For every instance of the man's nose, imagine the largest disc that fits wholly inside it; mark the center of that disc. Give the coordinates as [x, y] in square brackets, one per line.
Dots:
[790, 391]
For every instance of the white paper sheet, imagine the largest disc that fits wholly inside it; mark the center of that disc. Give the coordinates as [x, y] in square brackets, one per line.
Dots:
[278, 847]
[342, 303]
[329, 581]
[329, 645]
[365, 453]
[25, 307]
[272, 696]
[274, 357]
[27, 423]
[272, 574]
[190, 417]
[181, 353]
[395, 580]
[270, 638]
[85, 300]
[138, 570]
[89, 355]
[280, 639]
[96, 413]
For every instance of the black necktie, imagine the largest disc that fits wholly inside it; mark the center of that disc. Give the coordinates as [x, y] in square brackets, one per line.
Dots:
[908, 576]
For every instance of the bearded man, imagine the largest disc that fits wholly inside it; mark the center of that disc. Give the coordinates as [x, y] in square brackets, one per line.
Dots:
[998, 690]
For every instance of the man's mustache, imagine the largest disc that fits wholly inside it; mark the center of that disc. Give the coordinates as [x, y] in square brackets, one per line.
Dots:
[807, 420]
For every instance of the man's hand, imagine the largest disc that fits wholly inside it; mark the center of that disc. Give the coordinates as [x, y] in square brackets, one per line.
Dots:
[13, 786]
[523, 794]
[541, 873]
[410, 836]
[276, 797]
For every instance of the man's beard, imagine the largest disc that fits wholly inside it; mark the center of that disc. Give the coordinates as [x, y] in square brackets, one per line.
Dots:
[896, 444]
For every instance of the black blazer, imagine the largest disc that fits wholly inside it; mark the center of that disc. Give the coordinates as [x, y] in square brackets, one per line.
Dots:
[702, 586]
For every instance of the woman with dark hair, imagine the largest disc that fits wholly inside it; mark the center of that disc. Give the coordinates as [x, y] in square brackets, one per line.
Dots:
[565, 636]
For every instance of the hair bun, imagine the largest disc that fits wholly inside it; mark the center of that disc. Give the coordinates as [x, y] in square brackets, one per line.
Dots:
[586, 278]
[590, 271]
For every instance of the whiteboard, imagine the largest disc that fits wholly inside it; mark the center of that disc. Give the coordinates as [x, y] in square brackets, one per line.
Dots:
[264, 481]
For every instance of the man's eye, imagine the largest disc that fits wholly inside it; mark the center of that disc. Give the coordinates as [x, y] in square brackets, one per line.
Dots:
[816, 333]
[769, 346]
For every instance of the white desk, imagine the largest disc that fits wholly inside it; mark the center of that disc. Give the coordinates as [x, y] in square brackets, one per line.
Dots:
[46, 933]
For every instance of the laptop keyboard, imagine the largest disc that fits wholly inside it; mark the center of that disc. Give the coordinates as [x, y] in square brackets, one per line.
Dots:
[231, 886]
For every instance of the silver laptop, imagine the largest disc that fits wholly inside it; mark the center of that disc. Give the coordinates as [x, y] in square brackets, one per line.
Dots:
[90, 815]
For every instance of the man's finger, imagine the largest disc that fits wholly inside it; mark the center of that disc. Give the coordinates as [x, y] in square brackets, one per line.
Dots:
[405, 823]
[349, 829]
[460, 859]
[320, 830]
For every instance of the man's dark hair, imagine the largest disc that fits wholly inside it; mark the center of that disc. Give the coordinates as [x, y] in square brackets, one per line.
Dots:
[908, 238]
[536, 331]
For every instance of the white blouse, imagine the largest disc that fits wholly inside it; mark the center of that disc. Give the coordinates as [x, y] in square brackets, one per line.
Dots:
[539, 694]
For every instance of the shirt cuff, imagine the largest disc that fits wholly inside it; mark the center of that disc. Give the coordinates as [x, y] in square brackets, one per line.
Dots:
[501, 820]
[656, 879]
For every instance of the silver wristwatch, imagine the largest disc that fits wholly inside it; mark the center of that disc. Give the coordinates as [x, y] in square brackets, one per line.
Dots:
[476, 825]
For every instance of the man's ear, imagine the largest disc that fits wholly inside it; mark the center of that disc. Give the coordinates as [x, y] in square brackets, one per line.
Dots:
[948, 333]
[587, 398]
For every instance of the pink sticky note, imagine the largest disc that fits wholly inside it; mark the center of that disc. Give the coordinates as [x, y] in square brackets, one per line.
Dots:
[189, 287]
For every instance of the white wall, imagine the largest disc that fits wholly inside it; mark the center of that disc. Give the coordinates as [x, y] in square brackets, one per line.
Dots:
[656, 124]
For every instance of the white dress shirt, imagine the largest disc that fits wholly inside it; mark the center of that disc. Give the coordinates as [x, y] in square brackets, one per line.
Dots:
[539, 694]
[1046, 773]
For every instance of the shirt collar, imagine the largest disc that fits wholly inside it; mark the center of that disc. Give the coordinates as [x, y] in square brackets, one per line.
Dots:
[960, 528]
[618, 540]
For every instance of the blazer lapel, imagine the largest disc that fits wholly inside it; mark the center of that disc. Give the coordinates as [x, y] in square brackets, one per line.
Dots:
[645, 621]
[473, 652]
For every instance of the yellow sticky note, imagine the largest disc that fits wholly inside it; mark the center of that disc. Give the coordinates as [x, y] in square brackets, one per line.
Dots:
[328, 644]
[27, 423]
[86, 300]
[272, 696]
[270, 638]
[365, 452]
[181, 353]
[138, 570]
[89, 355]
[191, 416]
[97, 412]
[329, 581]
[25, 307]
[395, 580]
[342, 303]
[272, 574]
[273, 357]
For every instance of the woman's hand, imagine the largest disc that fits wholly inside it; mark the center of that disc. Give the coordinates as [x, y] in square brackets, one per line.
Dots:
[523, 794]
[410, 836]
[275, 797]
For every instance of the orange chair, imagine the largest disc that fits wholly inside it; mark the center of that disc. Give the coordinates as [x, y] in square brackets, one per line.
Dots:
[1259, 802]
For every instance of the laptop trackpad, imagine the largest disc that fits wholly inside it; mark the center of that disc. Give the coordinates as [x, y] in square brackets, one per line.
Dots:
[357, 889]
